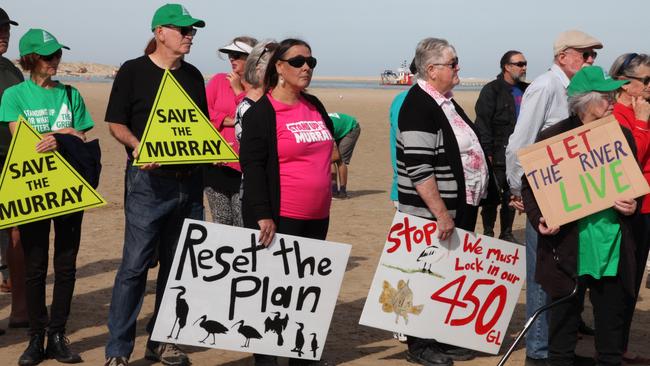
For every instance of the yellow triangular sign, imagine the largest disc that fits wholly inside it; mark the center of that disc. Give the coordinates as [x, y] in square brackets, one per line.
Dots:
[35, 186]
[178, 132]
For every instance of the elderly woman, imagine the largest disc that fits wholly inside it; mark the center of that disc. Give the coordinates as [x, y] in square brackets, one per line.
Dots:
[598, 248]
[65, 113]
[285, 154]
[442, 171]
[224, 93]
[632, 110]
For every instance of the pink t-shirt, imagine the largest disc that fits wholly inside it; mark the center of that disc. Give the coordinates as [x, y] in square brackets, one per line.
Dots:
[222, 103]
[304, 155]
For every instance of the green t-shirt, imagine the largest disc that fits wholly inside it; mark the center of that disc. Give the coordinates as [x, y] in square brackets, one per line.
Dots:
[599, 244]
[47, 110]
[343, 124]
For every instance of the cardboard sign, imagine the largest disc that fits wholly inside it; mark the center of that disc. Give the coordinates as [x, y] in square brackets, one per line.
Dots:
[227, 291]
[582, 171]
[460, 291]
[178, 132]
[36, 186]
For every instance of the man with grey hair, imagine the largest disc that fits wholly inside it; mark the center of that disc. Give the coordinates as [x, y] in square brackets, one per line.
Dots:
[544, 103]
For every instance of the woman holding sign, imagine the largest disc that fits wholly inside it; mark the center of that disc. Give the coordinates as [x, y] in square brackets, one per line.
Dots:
[285, 154]
[598, 248]
[632, 110]
[50, 108]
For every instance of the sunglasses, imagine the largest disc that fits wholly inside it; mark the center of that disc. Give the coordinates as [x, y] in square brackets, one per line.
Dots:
[184, 31]
[519, 64]
[452, 65]
[237, 56]
[298, 61]
[645, 80]
[586, 54]
[52, 56]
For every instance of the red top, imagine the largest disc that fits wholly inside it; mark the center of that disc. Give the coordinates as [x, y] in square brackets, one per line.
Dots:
[625, 116]
[222, 103]
[304, 155]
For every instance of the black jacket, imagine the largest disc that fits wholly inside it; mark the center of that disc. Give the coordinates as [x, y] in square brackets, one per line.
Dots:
[557, 255]
[258, 156]
[495, 118]
[84, 157]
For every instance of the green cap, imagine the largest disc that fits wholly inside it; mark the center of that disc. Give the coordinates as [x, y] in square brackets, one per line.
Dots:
[593, 78]
[40, 42]
[174, 14]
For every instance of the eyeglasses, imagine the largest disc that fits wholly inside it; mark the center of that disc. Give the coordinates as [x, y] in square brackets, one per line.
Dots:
[269, 48]
[645, 80]
[452, 65]
[586, 54]
[298, 61]
[52, 56]
[184, 31]
[519, 64]
[237, 56]
[609, 97]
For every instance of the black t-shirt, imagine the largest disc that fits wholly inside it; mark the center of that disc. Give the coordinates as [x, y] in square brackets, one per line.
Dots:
[135, 88]
[9, 76]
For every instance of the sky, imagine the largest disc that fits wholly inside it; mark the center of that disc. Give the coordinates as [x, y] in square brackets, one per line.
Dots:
[348, 37]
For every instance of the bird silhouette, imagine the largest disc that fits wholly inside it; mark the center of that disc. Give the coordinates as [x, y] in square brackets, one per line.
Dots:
[248, 332]
[181, 311]
[314, 344]
[276, 325]
[300, 340]
[212, 327]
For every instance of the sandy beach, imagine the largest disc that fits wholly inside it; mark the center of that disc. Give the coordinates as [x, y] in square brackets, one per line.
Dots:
[361, 221]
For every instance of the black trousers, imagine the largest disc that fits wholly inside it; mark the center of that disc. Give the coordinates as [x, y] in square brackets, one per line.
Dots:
[35, 238]
[609, 304]
[642, 237]
[506, 213]
[314, 229]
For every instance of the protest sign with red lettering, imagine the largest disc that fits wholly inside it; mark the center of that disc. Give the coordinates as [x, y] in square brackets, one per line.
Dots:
[460, 291]
[582, 171]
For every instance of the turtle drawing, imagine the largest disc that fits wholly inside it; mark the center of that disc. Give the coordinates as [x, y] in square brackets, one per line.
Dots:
[399, 301]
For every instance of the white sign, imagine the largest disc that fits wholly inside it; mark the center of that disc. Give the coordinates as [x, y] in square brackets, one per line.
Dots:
[460, 291]
[227, 291]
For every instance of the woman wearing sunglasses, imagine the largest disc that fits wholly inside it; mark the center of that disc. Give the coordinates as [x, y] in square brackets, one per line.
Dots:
[286, 148]
[632, 110]
[50, 108]
[224, 92]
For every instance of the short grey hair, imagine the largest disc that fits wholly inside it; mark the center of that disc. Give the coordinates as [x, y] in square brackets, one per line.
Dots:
[580, 103]
[430, 51]
[627, 63]
[256, 63]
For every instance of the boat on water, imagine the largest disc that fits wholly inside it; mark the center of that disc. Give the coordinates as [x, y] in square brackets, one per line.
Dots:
[402, 76]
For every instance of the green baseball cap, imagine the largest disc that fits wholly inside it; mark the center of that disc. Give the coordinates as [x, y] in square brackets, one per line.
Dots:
[40, 42]
[593, 78]
[174, 14]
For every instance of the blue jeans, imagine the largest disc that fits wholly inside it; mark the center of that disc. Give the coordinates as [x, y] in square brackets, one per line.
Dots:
[537, 337]
[155, 207]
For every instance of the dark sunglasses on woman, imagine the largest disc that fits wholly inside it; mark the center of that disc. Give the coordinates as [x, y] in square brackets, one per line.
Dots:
[52, 56]
[298, 61]
[237, 55]
[644, 80]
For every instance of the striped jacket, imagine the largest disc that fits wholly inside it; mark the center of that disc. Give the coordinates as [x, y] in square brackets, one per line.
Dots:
[426, 147]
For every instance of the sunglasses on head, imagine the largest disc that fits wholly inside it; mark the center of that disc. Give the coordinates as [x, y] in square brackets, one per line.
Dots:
[519, 64]
[645, 80]
[452, 65]
[237, 55]
[298, 61]
[184, 31]
[52, 56]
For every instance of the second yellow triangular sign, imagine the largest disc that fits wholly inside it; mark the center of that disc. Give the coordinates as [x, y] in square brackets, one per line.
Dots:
[178, 132]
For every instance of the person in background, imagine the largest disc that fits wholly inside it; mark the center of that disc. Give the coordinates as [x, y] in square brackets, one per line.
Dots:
[65, 113]
[497, 108]
[599, 248]
[12, 251]
[346, 134]
[224, 93]
[438, 151]
[158, 199]
[544, 104]
[632, 111]
[286, 150]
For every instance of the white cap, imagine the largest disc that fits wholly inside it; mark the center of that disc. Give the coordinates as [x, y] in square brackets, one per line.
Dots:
[236, 46]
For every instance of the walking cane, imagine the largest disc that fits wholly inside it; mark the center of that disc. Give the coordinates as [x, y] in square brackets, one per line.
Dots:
[537, 313]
